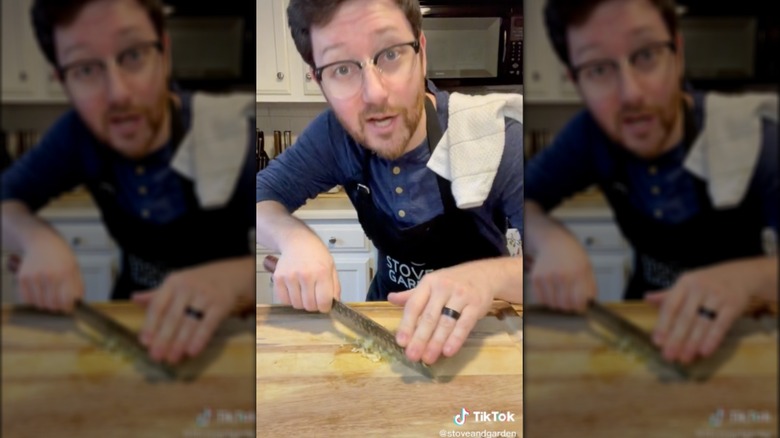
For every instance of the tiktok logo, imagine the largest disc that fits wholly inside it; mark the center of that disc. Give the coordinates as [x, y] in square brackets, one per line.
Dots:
[460, 419]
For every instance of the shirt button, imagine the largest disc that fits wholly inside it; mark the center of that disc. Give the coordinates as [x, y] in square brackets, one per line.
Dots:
[658, 213]
[145, 213]
[652, 170]
[139, 170]
[401, 213]
[655, 190]
[396, 170]
[399, 190]
[142, 190]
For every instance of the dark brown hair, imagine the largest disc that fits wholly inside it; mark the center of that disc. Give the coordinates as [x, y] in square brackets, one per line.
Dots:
[559, 15]
[47, 14]
[303, 14]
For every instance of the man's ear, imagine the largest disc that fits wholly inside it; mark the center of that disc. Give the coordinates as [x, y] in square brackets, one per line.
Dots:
[166, 43]
[424, 56]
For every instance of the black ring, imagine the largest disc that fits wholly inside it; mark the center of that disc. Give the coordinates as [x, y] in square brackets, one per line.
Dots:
[193, 312]
[454, 314]
[707, 313]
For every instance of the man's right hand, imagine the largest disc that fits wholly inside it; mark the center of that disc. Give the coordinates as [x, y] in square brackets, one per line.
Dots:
[48, 275]
[305, 276]
[561, 275]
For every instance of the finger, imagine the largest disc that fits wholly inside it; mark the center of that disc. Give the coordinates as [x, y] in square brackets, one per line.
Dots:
[583, 292]
[185, 333]
[399, 298]
[562, 292]
[466, 323]
[280, 289]
[681, 327]
[426, 324]
[336, 287]
[143, 299]
[657, 298]
[701, 325]
[542, 292]
[23, 290]
[294, 291]
[442, 331]
[39, 292]
[308, 292]
[717, 332]
[51, 292]
[323, 293]
[72, 291]
[668, 312]
[205, 330]
[169, 324]
[160, 301]
[412, 310]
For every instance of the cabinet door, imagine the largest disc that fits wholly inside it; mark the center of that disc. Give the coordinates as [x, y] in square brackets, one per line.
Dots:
[272, 63]
[16, 72]
[310, 87]
[610, 270]
[97, 270]
[354, 277]
[538, 55]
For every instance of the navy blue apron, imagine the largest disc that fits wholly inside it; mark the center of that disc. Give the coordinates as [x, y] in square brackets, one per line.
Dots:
[406, 255]
[151, 251]
[664, 251]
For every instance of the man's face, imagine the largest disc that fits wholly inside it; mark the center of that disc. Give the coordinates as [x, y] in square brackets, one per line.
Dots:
[641, 107]
[384, 113]
[125, 103]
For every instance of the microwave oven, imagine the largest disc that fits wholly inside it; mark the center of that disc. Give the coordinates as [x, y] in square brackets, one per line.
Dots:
[212, 45]
[473, 43]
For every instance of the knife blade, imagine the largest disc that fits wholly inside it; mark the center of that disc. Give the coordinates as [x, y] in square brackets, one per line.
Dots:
[366, 328]
[635, 337]
[126, 341]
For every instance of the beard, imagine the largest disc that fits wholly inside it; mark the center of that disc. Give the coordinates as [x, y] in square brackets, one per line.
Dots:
[655, 142]
[140, 142]
[395, 144]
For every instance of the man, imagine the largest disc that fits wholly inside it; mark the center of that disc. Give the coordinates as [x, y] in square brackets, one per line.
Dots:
[375, 140]
[658, 154]
[185, 249]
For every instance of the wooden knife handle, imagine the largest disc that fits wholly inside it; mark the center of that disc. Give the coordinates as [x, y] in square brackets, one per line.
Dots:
[269, 263]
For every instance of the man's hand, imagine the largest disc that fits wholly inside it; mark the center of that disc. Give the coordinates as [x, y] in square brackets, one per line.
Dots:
[184, 312]
[684, 331]
[468, 289]
[561, 275]
[306, 277]
[48, 274]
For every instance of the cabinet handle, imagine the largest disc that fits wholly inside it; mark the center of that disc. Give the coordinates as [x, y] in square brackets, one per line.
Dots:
[308, 77]
[280, 76]
[332, 241]
[589, 241]
[23, 76]
[76, 241]
[535, 76]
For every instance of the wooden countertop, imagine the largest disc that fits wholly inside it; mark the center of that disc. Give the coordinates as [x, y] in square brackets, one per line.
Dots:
[311, 383]
[578, 385]
[56, 381]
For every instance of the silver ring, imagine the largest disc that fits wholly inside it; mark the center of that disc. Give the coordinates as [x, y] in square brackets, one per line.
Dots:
[454, 314]
[707, 313]
[193, 313]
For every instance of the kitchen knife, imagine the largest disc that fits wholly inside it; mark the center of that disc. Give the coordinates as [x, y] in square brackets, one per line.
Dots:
[636, 339]
[366, 328]
[120, 337]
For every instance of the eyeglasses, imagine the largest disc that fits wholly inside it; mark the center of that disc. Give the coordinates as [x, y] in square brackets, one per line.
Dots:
[343, 79]
[603, 75]
[90, 75]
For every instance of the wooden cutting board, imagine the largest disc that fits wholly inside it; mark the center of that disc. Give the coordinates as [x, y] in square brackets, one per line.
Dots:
[56, 381]
[576, 385]
[310, 383]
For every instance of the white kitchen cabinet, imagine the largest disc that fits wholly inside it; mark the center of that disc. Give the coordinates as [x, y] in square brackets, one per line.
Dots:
[545, 78]
[282, 76]
[26, 75]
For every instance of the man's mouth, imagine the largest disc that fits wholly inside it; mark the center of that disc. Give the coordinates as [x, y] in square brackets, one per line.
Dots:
[380, 121]
[125, 124]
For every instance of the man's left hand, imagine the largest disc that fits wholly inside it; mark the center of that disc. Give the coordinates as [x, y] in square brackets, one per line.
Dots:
[183, 313]
[424, 331]
[699, 309]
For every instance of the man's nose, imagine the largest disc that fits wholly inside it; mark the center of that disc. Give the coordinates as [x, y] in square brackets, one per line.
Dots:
[118, 89]
[374, 91]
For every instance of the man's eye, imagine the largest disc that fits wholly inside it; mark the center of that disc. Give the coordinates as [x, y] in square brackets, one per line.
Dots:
[85, 71]
[391, 55]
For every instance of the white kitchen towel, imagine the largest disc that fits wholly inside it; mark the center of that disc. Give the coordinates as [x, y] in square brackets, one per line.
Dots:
[471, 148]
[726, 151]
[214, 148]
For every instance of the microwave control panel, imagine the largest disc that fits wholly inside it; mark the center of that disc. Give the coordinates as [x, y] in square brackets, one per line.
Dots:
[515, 47]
